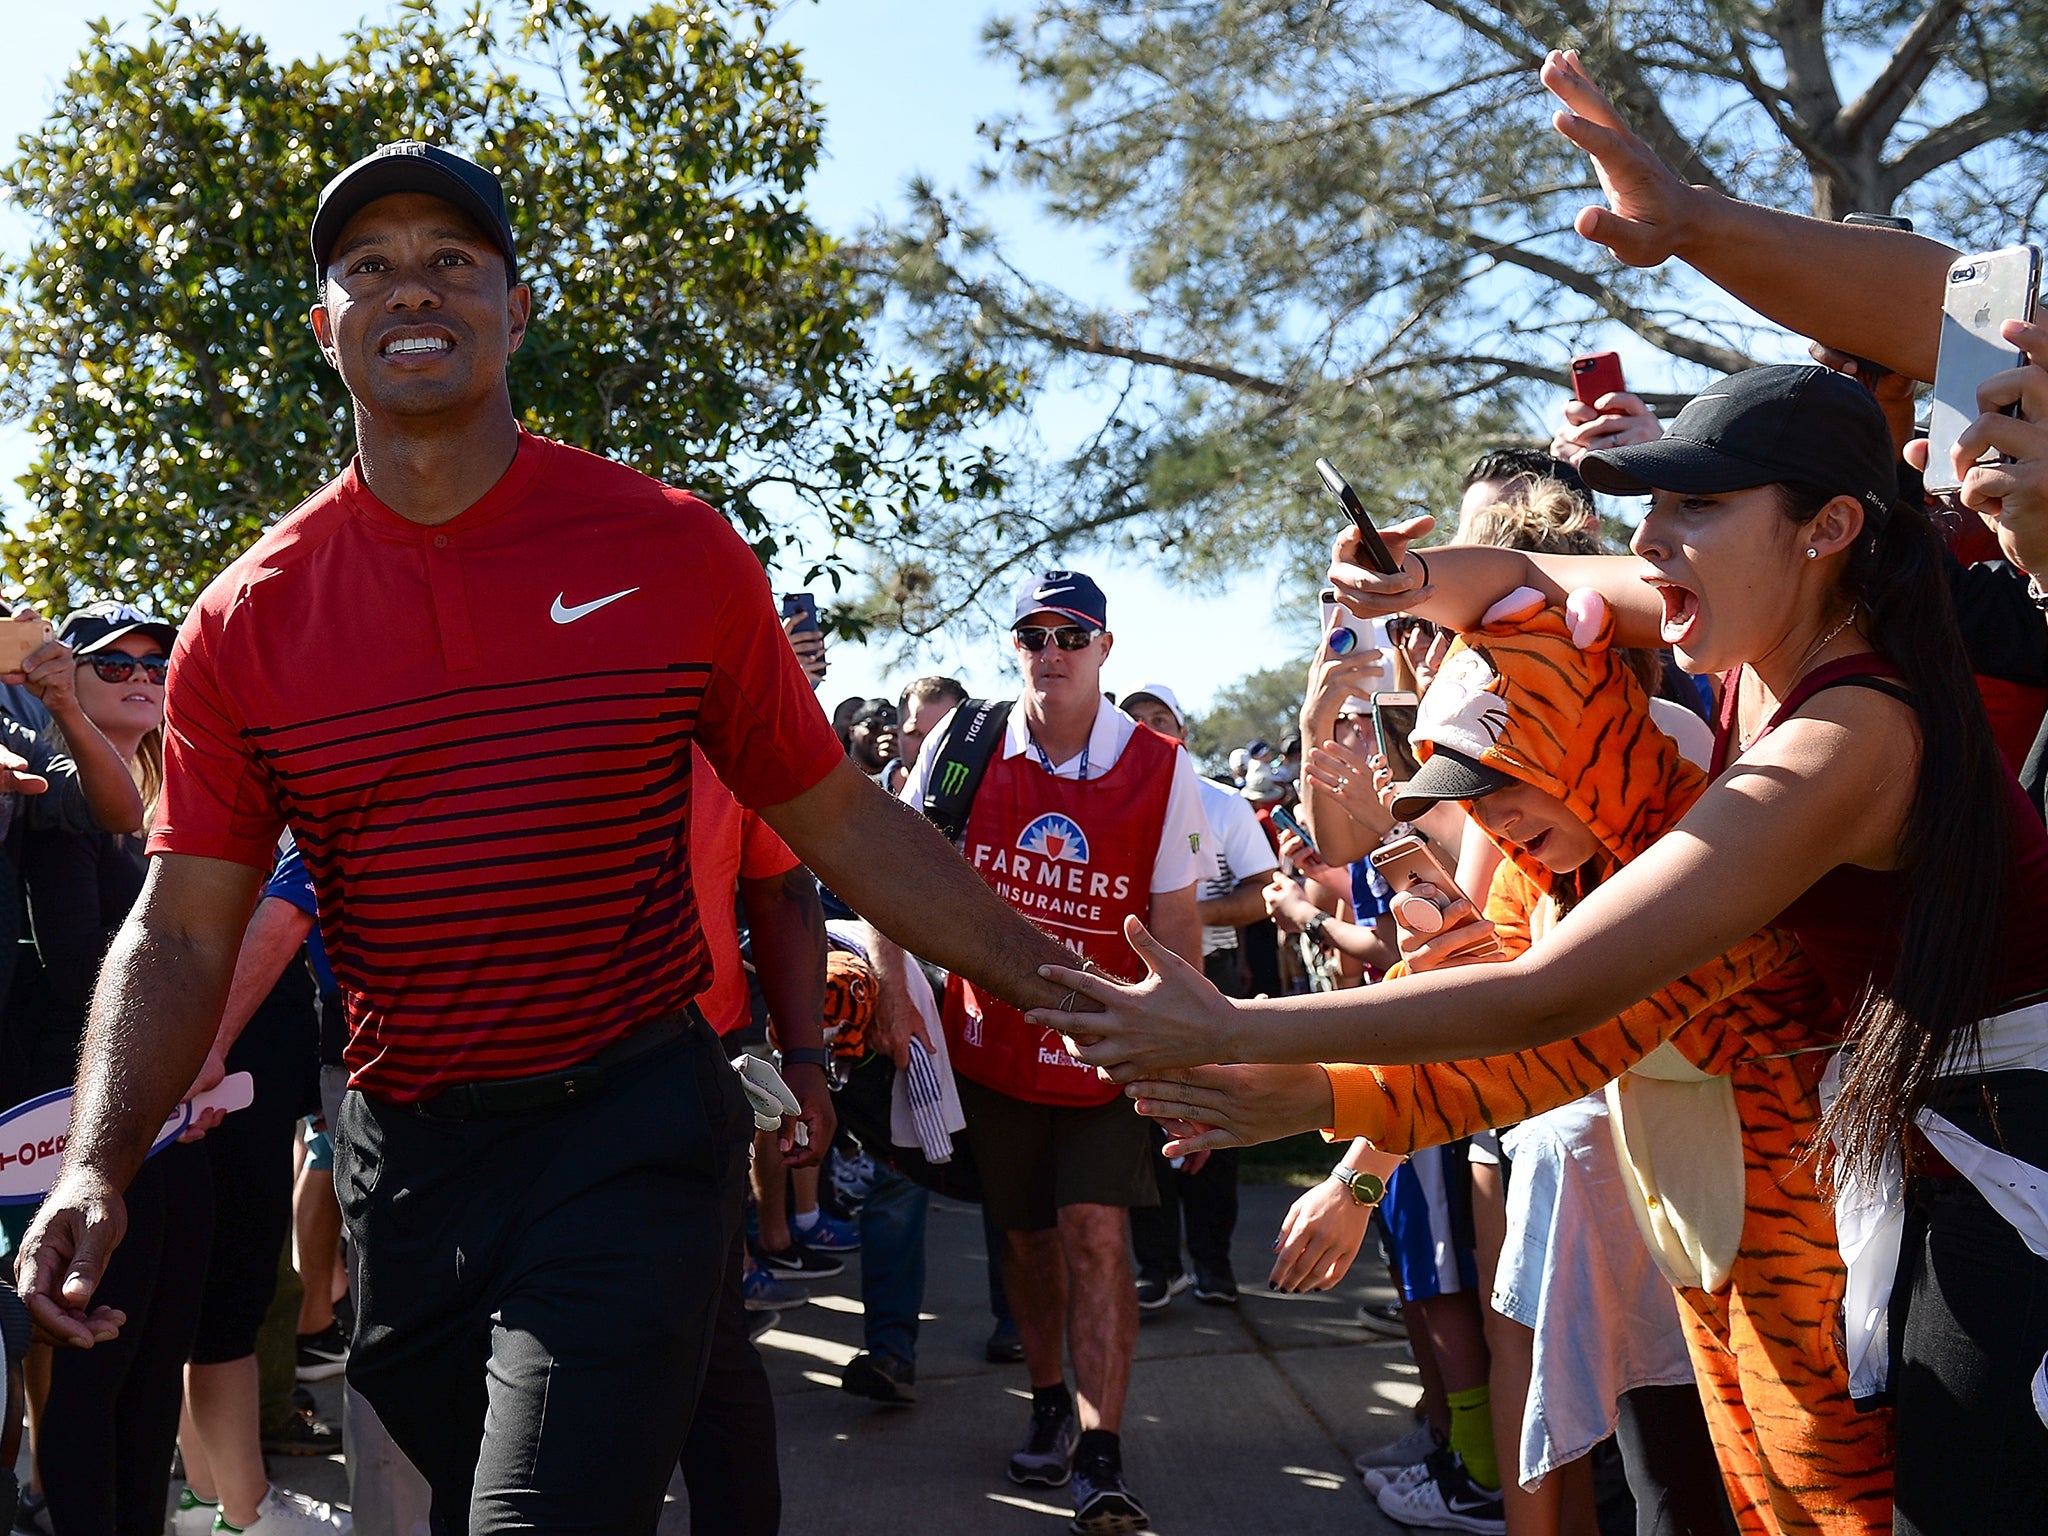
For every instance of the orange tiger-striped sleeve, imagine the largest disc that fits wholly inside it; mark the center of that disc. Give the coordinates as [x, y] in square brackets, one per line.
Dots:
[1404, 1108]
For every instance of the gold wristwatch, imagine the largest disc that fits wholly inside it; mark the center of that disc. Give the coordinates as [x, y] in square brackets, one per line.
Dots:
[1366, 1188]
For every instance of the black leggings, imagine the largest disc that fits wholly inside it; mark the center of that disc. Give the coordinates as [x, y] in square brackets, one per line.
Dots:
[1669, 1459]
[112, 1419]
[1972, 1453]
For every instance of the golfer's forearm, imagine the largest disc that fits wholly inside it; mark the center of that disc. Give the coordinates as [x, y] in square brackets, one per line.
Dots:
[1876, 293]
[894, 868]
[788, 925]
[154, 1014]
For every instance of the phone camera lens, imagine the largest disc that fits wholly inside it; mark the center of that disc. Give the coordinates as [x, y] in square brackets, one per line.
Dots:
[1964, 274]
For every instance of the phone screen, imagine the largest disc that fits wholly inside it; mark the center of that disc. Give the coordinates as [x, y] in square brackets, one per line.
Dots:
[1393, 723]
[1983, 293]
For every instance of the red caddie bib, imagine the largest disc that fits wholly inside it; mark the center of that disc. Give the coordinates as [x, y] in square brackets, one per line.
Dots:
[1075, 856]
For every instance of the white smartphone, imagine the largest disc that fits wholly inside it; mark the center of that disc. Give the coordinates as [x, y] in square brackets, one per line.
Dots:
[1983, 292]
[1346, 634]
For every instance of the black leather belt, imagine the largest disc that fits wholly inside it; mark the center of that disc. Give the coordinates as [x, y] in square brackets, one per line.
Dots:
[546, 1090]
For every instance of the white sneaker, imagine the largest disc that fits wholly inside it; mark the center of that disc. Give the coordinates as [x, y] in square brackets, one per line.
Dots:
[291, 1514]
[194, 1517]
[1376, 1478]
[1445, 1499]
[1405, 1452]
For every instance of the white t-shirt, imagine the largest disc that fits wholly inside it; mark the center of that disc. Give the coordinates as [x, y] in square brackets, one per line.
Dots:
[1184, 841]
[1241, 849]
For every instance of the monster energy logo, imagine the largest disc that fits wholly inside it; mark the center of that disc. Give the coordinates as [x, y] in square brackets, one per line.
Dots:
[952, 778]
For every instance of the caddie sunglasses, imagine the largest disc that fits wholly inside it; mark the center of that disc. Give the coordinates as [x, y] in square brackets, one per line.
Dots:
[119, 668]
[1068, 637]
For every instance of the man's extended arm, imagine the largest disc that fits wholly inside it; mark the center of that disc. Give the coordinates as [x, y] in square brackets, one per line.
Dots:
[154, 1012]
[894, 868]
[1243, 903]
[788, 925]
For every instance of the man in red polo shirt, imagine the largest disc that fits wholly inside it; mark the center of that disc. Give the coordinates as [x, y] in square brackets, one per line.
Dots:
[1084, 818]
[468, 673]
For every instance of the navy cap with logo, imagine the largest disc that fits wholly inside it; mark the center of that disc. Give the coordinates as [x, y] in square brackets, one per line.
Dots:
[1063, 592]
[410, 166]
[98, 625]
[1795, 422]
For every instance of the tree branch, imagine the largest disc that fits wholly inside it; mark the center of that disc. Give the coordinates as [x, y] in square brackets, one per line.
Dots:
[1957, 137]
[1885, 99]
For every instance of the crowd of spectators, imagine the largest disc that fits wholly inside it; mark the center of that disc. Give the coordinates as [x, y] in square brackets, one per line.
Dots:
[1669, 989]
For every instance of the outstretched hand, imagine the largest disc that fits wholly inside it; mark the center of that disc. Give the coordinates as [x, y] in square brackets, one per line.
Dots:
[1204, 1108]
[1648, 208]
[1173, 1017]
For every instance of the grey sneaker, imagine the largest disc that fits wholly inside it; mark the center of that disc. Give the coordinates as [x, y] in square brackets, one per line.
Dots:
[881, 1378]
[1103, 1506]
[1410, 1449]
[1046, 1458]
[1155, 1291]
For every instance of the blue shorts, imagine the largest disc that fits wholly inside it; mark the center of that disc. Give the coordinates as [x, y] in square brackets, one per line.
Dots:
[1427, 1216]
[319, 1149]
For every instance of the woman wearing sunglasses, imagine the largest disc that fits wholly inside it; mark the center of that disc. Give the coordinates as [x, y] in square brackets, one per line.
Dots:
[104, 1432]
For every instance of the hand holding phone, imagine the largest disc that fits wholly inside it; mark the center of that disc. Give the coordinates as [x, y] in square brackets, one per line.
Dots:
[802, 607]
[1983, 292]
[19, 638]
[1285, 820]
[1370, 544]
[1595, 375]
[1425, 893]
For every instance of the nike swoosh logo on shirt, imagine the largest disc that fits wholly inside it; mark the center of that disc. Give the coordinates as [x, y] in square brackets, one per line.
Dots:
[561, 613]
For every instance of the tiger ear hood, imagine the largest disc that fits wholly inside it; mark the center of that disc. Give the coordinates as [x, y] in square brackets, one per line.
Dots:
[1540, 693]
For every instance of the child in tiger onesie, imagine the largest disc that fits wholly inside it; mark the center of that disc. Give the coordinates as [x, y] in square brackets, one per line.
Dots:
[1711, 1082]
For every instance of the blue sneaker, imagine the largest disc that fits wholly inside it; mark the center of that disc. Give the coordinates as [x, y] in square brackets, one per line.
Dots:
[762, 1292]
[830, 1235]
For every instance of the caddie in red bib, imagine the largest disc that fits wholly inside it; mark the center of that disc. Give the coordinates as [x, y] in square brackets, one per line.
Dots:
[1076, 858]
[1078, 817]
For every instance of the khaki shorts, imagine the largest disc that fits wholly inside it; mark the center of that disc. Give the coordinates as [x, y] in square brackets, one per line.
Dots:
[1035, 1158]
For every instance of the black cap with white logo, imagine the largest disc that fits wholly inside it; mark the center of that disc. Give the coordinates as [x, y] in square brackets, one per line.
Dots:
[410, 166]
[1760, 427]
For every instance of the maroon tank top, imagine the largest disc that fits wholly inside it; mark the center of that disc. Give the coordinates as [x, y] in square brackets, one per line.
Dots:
[1848, 920]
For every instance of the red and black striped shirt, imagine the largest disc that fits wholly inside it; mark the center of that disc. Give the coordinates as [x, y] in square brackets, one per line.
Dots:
[479, 733]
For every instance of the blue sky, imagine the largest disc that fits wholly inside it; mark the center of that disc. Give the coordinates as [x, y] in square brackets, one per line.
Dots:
[903, 83]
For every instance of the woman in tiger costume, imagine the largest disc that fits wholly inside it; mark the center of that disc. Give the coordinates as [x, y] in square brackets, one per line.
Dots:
[1711, 1088]
[1861, 806]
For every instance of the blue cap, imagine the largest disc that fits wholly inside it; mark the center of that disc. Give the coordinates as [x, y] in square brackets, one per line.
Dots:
[1063, 592]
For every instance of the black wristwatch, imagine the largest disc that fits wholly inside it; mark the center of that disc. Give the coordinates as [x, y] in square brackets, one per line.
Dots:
[1315, 925]
[807, 1056]
[1366, 1188]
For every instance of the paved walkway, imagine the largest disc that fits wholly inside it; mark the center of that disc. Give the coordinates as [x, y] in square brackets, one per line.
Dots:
[1240, 1420]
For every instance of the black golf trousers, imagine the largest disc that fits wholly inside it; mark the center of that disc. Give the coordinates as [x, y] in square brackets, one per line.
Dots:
[536, 1293]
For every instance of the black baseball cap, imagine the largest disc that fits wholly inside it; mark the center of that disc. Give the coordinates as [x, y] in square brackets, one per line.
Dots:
[98, 625]
[1063, 592]
[1764, 425]
[875, 712]
[1447, 775]
[410, 166]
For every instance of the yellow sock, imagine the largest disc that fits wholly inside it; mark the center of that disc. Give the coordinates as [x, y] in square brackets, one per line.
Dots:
[1472, 1434]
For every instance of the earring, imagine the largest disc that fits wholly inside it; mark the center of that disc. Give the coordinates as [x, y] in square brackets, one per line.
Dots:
[1813, 554]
